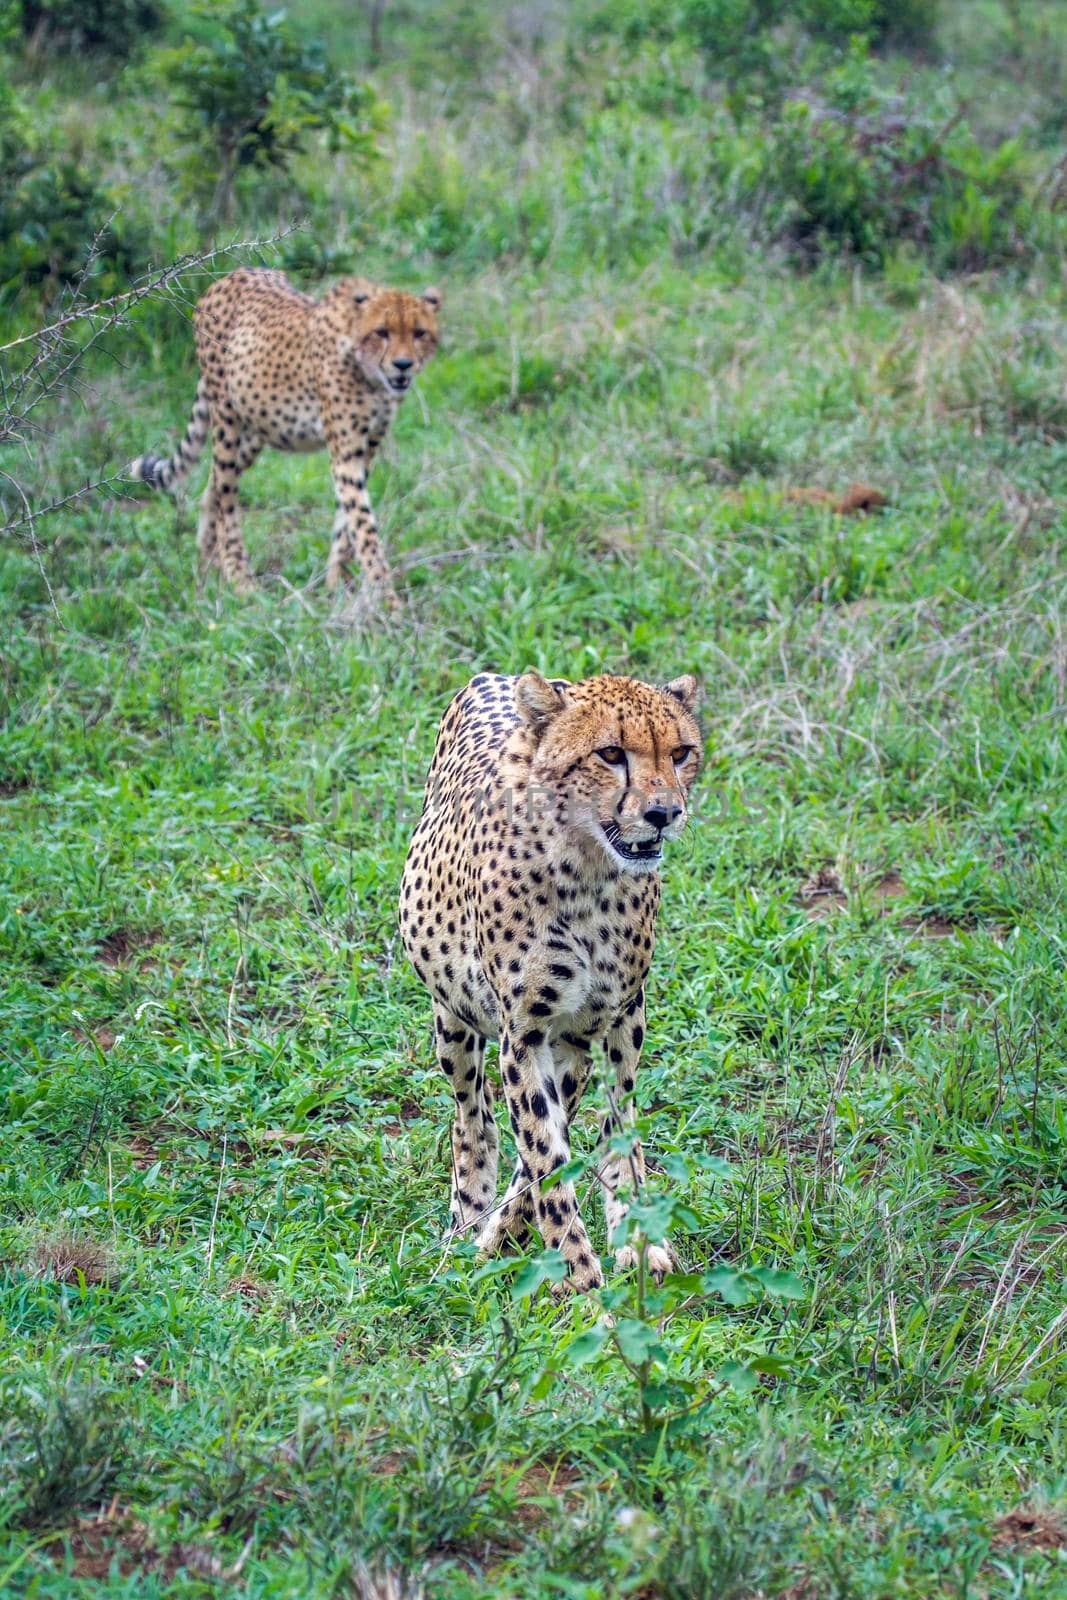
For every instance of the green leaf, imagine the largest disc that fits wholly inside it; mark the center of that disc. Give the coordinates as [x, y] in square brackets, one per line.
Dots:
[654, 1214]
[715, 1165]
[621, 1143]
[549, 1267]
[638, 1341]
[568, 1171]
[683, 1284]
[674, 1392]
[771, 1366]
[739, 1376]
[780, 1285]
[676, 1166]
[311, 1102]
[586, 1346]
[543, 1384]
[491, 1269]
[736, 1288]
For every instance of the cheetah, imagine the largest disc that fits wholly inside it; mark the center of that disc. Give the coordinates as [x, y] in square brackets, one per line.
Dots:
[528, 909]
[280, 368]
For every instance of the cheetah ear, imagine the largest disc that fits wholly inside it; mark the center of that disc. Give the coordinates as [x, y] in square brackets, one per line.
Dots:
[362, 290]
[538, 701]
[432, 298]
[685, 690]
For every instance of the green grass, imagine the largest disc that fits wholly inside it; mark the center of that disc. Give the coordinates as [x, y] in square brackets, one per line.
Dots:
[218, 1066]
[232, 1353]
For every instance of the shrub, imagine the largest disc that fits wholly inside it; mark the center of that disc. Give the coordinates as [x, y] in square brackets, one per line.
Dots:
[57, 226]
[56, 222]
[758, 46]
[16, 157]
[905, 24]
[851, 168]
[432, 199]
[254, 94]
[112, 27]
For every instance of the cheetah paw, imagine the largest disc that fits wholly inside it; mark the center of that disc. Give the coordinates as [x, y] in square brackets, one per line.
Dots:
[582, 1282]
[659, 1260]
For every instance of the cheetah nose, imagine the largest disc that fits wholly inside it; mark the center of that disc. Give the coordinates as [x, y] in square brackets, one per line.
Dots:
[403, 363]
[659, 817]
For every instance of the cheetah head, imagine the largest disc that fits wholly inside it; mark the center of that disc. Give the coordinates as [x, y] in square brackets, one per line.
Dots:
[393, 334]
[618, 759]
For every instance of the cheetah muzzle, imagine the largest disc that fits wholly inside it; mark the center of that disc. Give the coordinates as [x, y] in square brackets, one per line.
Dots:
[639, 855]
[528, 908]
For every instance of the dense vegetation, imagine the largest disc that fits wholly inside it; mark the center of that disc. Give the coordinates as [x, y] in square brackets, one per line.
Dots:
[705, 263]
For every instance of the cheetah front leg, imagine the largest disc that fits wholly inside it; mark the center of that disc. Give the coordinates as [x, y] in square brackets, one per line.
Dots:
[513, 1219]
[627, 1171]
[539, 1118]
[355, 532]
[460, 1053]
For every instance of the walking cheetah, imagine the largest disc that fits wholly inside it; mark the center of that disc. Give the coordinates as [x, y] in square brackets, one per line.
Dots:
[279, 368]
[528, 909]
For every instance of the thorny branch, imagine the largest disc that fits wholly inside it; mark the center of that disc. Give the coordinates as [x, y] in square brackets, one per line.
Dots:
[54, 357]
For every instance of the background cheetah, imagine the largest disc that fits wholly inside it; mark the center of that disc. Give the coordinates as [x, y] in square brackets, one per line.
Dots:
[528, 908]
[279, 368]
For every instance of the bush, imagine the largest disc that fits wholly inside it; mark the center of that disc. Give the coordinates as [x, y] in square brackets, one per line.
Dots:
[854, 169]
[56, 222]
[112, 27]
[819, 149]
[254, 94]
[905, 24]
[760, 46]
[57, 226]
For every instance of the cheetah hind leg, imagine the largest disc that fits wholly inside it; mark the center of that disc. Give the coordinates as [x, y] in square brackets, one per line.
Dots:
[207, 538]
[207, 533]
[509, 1223]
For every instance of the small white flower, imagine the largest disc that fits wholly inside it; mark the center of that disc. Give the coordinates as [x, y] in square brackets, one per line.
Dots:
[632, 1520]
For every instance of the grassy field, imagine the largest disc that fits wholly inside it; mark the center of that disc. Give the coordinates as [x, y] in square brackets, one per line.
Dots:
[232, 1354]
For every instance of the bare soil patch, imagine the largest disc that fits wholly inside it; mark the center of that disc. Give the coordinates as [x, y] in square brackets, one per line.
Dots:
[71, 1260]
[857, 500]
[119, 948]
[823, 892]
[1030, 1528]
[93, 1545]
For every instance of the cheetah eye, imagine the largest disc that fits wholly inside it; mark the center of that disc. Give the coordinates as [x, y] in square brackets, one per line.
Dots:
[682, 754]
[421, 333]
[612, 755]
[381, 333]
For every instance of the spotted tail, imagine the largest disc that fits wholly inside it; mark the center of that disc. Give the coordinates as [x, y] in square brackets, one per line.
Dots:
[163, 472]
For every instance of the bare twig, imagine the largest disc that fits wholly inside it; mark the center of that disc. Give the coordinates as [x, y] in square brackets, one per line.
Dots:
[152, 284]
[53, 362]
